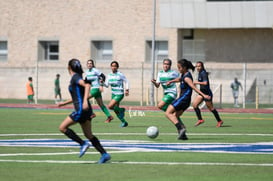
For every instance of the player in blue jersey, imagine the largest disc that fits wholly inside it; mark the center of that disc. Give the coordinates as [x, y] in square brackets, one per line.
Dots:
[170, 91]
[119, 87]
[93, 76]
[181, 104]
[203, 81]
[79, 91]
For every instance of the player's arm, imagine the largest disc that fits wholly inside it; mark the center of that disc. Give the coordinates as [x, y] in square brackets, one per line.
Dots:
[190, 83]
[60, 104]
[156, 84]
[86, 92]
[126, 85]
[173, 81]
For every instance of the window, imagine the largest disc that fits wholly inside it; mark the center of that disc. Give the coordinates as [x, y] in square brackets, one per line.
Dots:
[102, 50]
[194, 50]
[3, 50]
[48, 50]
[161, 50]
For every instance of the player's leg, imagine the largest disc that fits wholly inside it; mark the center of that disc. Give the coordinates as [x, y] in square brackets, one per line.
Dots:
[87, 130]
[104, 109]
[209, 104]
[196, 102]
[114, 105]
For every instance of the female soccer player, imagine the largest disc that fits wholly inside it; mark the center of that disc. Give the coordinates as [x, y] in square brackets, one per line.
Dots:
[120, 86]
[93, 76]
[79, 91]
[203, 81]
[176, 108]
[170, 91]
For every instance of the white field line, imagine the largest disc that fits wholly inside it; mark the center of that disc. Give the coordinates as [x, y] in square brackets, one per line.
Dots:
[59, 153]
[144, 163]
[141, 134]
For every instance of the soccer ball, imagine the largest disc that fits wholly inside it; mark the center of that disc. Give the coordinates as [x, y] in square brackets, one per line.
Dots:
[152, 132]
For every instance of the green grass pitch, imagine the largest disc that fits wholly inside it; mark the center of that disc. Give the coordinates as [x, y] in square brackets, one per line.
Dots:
[27, 163]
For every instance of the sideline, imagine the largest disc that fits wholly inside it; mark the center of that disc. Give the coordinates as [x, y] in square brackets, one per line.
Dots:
[143, 163]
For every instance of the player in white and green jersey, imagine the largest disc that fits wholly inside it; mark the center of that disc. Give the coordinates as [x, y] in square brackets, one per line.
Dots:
[170, 91]
[119, 86]
[93, 76]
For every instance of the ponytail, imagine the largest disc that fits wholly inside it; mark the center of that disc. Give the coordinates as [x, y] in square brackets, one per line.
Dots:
[186, 63]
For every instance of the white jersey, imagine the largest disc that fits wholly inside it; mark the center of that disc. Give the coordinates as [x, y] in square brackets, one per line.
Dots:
[163, 77]
[117, 81]
[93, 75]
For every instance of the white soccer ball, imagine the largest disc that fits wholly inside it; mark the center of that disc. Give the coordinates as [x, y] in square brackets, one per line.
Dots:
[152, 132]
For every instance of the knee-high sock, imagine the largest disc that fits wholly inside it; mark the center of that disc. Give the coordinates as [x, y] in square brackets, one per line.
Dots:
[105, 110]
[72, 135]
[198, 113]
[96, 143]
[216, 115]
[117, 111]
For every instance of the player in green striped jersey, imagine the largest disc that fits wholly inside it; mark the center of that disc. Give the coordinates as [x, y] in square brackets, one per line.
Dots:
[119, 86]
[170, 91]
[93, 76]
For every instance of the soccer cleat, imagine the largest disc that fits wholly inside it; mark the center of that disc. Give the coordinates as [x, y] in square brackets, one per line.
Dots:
[124, 124]
[121, 113]
[182, 134]
[219, 124]
[109, 119]
[84, 148]
[104, 158]
[93, 116]
[199, 122]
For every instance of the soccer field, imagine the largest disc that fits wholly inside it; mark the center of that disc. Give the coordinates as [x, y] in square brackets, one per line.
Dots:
[31, 148]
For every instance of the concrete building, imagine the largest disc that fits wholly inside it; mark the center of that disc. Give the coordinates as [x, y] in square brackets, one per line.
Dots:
[37, 38]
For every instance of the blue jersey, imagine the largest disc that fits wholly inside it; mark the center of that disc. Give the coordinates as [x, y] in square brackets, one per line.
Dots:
[77, 94]
[185, 89]
[184, 100]
[203, 77]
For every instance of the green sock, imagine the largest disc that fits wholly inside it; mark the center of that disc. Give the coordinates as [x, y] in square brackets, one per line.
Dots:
[164, 108]
[105, 110]
[117, 110]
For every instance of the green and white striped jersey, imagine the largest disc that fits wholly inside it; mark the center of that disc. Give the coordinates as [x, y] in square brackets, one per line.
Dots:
[117, 81]
[93, 75]
[163, 77]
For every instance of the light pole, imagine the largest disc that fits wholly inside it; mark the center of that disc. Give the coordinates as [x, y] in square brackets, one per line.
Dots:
[152, 101]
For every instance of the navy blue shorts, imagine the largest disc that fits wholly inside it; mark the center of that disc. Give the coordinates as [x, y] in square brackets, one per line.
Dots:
[181, 104]
[81, 116]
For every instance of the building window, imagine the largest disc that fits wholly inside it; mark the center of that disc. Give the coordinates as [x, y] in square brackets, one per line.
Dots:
[48, 50]
[102, 50]
[194, 50]
[161, 50]
[3, 50]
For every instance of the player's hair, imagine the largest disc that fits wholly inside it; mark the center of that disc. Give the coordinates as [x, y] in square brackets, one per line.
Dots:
[203, 66]
[115, 63]
[91, 60]
[169, 60]
[186, 63]
[75, 66]
[30, 78]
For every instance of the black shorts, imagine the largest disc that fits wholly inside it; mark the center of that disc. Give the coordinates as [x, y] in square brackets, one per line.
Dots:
[181, 104]
[81, 116]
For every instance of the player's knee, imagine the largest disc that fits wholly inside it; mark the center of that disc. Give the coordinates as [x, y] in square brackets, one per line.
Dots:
[62, 129]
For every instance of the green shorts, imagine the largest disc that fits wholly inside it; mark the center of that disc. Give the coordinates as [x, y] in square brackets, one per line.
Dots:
[168, 98]
[30, 97]
[57, 91]
[95, 92]
[117, 98]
